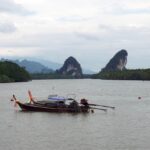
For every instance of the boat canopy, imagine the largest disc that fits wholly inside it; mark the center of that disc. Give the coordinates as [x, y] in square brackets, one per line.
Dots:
[56, 98]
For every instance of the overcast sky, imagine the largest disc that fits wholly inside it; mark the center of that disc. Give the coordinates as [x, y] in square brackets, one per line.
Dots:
[90, 30]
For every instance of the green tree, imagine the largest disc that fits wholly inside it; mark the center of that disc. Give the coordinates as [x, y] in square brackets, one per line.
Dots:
[10, 72]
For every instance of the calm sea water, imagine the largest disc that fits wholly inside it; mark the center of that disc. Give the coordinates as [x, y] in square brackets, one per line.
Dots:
[126, 128]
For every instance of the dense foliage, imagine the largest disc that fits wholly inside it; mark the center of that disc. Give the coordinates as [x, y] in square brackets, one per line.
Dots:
[50, 76]
[138, 74]
[11, 72]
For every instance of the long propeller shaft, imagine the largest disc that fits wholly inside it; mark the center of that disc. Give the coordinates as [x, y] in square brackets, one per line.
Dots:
[103, 106]
[99, 109]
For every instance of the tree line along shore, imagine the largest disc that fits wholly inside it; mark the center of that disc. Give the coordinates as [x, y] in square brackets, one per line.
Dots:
[11, 72]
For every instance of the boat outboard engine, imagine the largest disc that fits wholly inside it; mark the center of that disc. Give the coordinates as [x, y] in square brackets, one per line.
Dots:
[84, 102]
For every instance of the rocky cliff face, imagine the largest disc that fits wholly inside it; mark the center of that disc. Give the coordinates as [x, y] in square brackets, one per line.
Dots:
[118, 62]
[71, 67]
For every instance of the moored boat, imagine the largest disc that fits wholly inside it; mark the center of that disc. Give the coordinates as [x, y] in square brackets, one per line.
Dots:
[42, 108]
[57, 104]
[52, 105]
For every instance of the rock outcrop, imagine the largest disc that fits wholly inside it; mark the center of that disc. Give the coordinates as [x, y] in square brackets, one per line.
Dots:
[118, 62]
[71, 67]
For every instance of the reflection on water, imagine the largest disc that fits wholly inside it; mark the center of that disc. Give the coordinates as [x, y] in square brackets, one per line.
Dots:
[125, 128]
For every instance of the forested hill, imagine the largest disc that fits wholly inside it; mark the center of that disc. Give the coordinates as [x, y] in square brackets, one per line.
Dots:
[136, 74]
[11, 72]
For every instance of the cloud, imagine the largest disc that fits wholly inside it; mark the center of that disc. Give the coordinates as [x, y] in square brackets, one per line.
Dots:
[129, 31]
[87, 36]
[90, 30]
[137, 11]
[106, 35]
[73, 18]
[10, 6]
[128, 8]
[7, 27]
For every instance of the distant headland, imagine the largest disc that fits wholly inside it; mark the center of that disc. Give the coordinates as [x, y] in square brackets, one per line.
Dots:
[116, 69]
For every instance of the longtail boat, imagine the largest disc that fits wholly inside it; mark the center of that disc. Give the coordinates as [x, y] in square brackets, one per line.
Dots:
[58, 104]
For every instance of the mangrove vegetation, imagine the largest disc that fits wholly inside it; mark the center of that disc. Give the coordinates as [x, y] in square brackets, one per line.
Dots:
[11, 72]
[134, 74]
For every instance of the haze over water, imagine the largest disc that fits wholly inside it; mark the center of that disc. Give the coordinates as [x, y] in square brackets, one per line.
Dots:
[126, 128]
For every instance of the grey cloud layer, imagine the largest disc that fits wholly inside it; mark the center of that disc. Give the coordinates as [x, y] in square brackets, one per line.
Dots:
[76, 27]
[7, 27]
[10, 6]
[104, 34]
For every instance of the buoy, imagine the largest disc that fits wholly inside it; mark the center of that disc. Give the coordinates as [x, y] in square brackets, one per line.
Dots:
[92, 111]
[11, 100]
